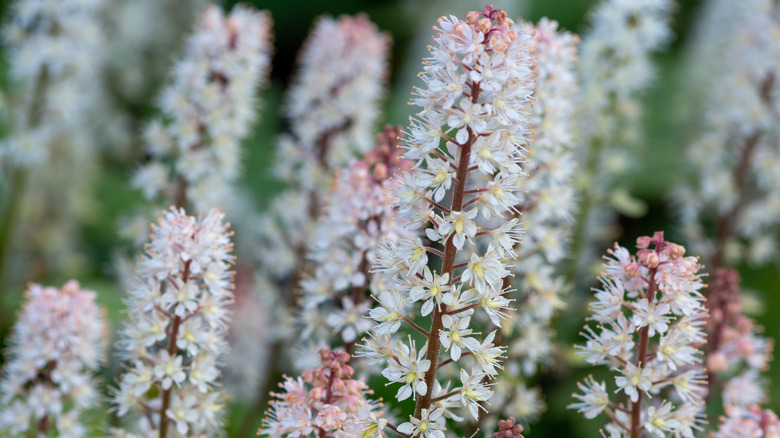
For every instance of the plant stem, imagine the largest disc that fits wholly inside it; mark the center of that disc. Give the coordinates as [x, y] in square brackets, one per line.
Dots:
[644, 338]
[166, 396]
[448, 263]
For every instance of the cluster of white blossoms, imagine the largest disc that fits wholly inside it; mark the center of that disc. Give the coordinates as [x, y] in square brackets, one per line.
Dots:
[53, 49]
[324, 402]
[175, 337]
[650, 319]
[356, 218]
[615, 67]
[730, 209]
[548, 205]
[477, 101]
[331, 106]
[736, 352]
[54, 52]
[57, 345]
[207, 110]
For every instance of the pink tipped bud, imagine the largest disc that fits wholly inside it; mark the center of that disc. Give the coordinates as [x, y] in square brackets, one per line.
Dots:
[675, 251]
[632, 269]
[508, 429]
[643, 242]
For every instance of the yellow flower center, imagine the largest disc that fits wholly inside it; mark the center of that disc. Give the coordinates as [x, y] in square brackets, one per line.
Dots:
[441, 176]
[635, 380]
[459, 225]
[478, 272]
[485, 153]
[455, 337]
[411, 377]
[423, 426]
[434, 291]
[417, 253]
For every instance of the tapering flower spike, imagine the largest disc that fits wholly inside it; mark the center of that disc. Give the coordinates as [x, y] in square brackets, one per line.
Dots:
[468, 142]
[48, 154]
[615, 67]
[650, 314]
[547, 204]
[737, 353]
[324, 402]
[356, 219]
[56, 347]
[207, 109]
[735, 159]
[174, 339]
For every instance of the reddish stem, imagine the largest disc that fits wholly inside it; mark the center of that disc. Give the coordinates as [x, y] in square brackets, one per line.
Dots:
[448, 263]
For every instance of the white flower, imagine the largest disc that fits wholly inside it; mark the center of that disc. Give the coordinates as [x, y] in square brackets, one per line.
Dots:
[429, 425]
[485, 273]
[459, 224]
[433, 288]
[389, 314]
[473, 391]
[454, 337]
[350, 319]
[410, 370]
[594, 399]
[651, 315]
[634, 379]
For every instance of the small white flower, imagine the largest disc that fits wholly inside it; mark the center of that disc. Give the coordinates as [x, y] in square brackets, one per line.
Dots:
[454, 337]
[433, 288]
[409, 370]
[651, 315]
[429, 425]
[594, 399]
[633, 380]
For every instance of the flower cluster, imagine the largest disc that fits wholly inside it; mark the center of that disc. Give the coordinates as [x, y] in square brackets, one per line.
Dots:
[508, 429]
[57, 344]
[477, 101]
[324, 402]
[207, 110]
[54, 51]
[615, 67]
[175, 336]
[331, 107]
[547, 205]
[651, 317]
[749, 422]
[730, 210]
[736, 353]
[356, 218]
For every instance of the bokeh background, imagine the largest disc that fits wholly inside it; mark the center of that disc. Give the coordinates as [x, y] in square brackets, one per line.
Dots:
[667, 129]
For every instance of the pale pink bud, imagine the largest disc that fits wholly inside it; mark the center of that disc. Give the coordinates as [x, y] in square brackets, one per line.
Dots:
[717, 362]
[643, 242]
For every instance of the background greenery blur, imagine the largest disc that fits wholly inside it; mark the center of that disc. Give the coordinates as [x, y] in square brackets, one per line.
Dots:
[667, 130]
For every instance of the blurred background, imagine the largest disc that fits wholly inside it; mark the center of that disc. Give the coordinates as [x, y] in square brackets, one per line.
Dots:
[135, 81]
